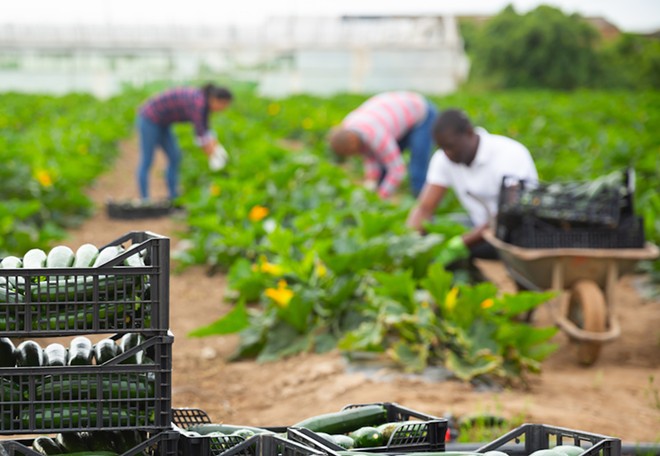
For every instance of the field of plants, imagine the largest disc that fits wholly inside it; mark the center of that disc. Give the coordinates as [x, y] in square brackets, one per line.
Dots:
[313, 261]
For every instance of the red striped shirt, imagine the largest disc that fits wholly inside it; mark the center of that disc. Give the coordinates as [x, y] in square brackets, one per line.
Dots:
[381, 121]
[181, 104]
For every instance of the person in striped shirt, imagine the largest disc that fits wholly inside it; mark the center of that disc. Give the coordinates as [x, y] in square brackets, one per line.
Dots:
[379, 130]
[155, 119]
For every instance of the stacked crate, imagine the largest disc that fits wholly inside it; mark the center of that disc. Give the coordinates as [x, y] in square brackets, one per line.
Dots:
[595, 214]
[108, 301]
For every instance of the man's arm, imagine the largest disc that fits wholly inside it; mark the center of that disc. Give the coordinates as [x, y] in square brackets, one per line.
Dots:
[475, 235]
[427, 202]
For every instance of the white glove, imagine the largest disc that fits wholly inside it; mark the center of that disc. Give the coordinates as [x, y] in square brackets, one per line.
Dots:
[218, 159]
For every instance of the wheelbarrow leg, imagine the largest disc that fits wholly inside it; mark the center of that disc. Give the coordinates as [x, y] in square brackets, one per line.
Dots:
[586, 316]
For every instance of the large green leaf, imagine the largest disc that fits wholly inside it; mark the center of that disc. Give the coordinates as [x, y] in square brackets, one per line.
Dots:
[233, 321]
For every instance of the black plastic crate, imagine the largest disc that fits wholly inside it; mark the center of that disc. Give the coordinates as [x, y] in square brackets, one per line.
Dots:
[110, 396]
[159, 444]
[110, 298]
[417, 432]
[191, 443]
[562, 201]
[270, 445]
[396, 412]
[424, 436]
[534, 233]
[132, 210]
[527, 438]
[185, 417]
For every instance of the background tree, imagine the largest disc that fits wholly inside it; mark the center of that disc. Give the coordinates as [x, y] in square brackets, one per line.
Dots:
[543, 48]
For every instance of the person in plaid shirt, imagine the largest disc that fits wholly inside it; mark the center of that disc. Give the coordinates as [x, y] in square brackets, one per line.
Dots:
[379, 130]
[155, 119]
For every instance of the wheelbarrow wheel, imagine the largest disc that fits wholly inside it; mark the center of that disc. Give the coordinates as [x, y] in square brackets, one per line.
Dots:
[587, 310]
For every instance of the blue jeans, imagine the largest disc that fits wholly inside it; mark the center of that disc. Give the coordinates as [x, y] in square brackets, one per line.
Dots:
[151, 136]
[420, 142]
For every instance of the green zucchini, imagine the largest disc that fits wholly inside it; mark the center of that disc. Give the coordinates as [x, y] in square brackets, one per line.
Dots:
[29, 354]
[343, 441]
[72, 442]
[76, 416]
[7, 352]
[131, 340]
[367, 437]
[107, 441]
[9, 295]
[34, 259]
[227, 429]
[91, 453]
[60, 256]
[55, 355]
[346, 420]
[46, 446]
[105, 350]
[84, 318]
[78, 288]
[86, 387]
[85, 256]
[135, 260]
[107, 254]
[11, 392]
[11, 262]
[80, 352]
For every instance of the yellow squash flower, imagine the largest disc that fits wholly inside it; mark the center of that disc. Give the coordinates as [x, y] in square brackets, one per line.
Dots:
[270, 268]
[321, 270]
[282, 295]
[486, 303]
[273, 109]
[450, 299]
[44, 178]
[257, 213]
[307, 123]
[215, 190]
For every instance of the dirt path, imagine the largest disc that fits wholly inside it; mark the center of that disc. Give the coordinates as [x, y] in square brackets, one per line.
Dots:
[619, 396]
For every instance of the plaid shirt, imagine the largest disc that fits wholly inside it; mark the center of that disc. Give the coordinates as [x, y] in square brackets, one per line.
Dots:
[381, 121]
[182, 104]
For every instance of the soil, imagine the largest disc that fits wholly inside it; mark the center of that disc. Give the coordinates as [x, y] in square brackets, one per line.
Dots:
[618, 396]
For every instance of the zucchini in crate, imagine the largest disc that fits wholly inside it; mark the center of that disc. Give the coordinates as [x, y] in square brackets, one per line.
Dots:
[346, 420]
[107, 254]
[56, 355]
[80, 352]
[34, 259]
[12, 262]
[129, 341]
[29, 354]
[46, 446]
[64, 415]
[85, 256]
[7, 352]
[60, 256]
[105, 350]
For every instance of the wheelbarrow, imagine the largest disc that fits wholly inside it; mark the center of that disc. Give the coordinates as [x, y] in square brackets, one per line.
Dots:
[586, 279]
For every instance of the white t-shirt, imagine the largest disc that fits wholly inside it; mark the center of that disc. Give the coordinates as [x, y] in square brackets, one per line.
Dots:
[497, 156]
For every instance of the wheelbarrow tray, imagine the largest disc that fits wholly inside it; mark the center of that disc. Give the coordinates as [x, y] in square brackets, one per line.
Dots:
[534, 267]
[565, 269]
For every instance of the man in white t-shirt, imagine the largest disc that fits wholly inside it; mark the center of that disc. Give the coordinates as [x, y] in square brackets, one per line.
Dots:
[472, 162]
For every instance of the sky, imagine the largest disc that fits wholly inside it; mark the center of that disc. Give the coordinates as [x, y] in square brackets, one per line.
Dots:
[628, 15]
